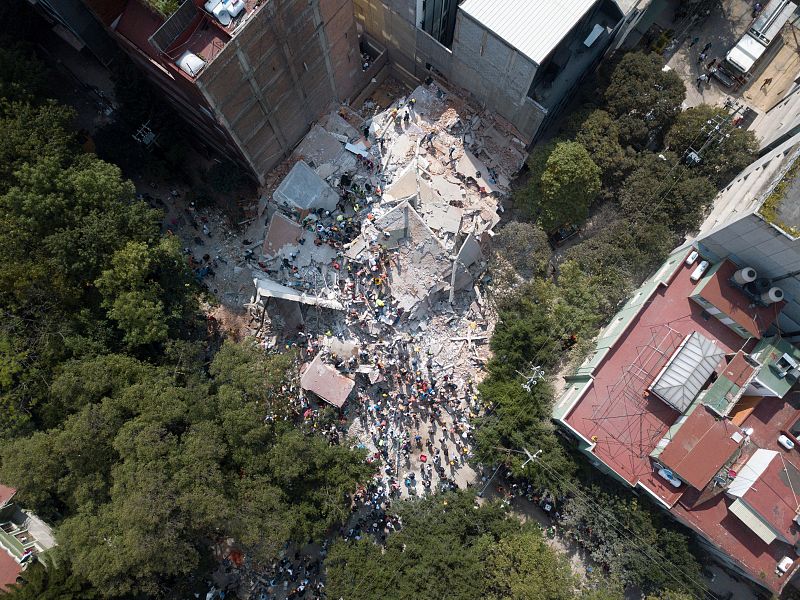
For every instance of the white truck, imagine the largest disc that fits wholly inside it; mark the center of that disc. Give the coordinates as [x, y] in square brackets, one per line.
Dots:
[760, 35]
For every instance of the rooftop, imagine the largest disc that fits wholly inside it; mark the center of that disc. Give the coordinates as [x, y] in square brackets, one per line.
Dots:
[716, 288]
[326, 382]
[781, 206]
[702, 444]
[775, 373]
[617, 407]
[610, 406]
[9, 570]
[6, 493]
[511, 21]
[189, 28]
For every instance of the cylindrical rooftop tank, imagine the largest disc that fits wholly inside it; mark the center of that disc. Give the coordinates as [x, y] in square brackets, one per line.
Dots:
[772, 295]
[744, 276]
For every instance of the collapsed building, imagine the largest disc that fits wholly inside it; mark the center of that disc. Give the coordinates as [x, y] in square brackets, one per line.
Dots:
[375, 243]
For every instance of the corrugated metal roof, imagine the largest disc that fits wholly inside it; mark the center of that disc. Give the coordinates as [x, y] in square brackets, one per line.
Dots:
[687, 371]
[751, 471]
[533, 27]
[699, 447]
[753, 521]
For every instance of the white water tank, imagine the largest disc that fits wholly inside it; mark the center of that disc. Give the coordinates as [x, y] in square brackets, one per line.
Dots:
[746, 275]
[772, 295]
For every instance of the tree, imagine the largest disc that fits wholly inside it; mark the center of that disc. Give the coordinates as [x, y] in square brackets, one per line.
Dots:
[563, 183]
[438, 553]
[22, 76]
[50, 578]
[628, 538]
[148, 462]
[521, 246]
[722, 160]
[148, 291]
[640, 89]
[32, 133]
[657, 190]
[599, 132]
[622, 255]
[522, 566]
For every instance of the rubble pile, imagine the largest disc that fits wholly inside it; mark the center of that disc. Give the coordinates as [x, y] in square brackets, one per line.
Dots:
[367, 255]
[371, 263]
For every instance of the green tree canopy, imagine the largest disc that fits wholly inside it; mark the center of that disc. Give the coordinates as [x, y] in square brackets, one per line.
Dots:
[22, 76]
[150, 463]
[659, 191]
[721, 160]
[522, 566]
[563, 183]
[631, 540]
[641, 90]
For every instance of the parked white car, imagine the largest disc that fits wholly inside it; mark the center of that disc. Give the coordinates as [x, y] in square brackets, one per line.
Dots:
[699, 271]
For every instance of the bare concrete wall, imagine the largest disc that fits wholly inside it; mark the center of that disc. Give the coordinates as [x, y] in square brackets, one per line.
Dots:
[280, 73]
[495, 74]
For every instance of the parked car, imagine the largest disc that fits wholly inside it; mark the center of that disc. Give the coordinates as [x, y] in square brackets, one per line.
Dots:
[699, 271]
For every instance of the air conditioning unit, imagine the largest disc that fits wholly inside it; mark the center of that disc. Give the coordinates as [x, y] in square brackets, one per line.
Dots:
[785, 564]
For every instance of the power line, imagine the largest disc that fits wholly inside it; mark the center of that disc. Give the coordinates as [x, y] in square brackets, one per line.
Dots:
[625, 538]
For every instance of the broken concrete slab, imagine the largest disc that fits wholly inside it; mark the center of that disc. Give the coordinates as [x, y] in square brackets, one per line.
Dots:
[282, 231]
[325, 382]
[335, 124]
[267, 288]
[318, 147]
[303, 189]
[470, 252]
[443, 217]
[471, 167]
[403, 186]
[342, 348]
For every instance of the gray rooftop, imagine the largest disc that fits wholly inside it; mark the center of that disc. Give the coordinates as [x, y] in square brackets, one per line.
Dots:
[533, 27]
[303, 189]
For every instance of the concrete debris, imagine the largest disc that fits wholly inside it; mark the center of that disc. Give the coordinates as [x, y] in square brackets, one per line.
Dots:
[281, 232]
[326, 383]
[303, 189]
[266, 288]
[368, 259]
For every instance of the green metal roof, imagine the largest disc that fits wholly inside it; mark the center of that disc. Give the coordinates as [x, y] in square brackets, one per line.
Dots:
[722, 393]
[768, 351]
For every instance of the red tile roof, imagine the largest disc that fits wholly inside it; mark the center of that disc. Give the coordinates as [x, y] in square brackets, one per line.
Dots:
[734, 303]
[700, 447]
[775, 496]
[9, 569]
[6, 493]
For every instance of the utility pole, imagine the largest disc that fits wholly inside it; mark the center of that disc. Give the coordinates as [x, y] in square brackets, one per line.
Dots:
[531, 457]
